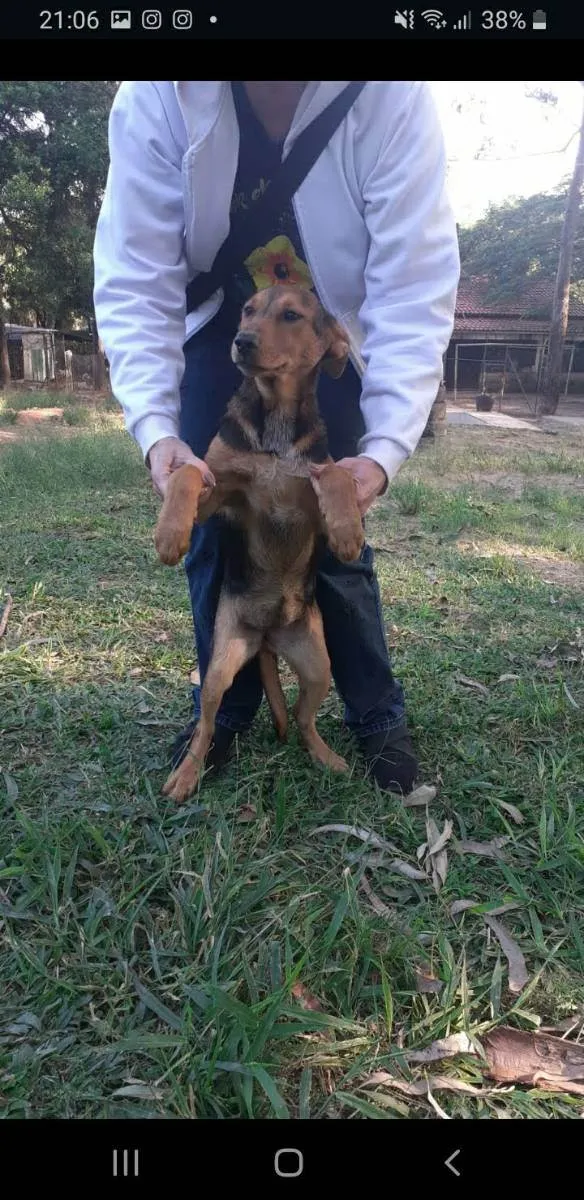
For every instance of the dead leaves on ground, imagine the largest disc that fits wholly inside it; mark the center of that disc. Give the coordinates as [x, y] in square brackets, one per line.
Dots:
[518, 974]
[508, 1056]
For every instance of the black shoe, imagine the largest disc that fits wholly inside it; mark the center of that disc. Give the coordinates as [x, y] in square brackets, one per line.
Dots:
[219, 751]
[391, 760]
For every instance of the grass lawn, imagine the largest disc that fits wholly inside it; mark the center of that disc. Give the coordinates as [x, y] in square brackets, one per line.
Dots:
[226, 959]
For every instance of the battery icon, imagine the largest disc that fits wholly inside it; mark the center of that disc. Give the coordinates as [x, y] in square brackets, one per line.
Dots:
[539, 19]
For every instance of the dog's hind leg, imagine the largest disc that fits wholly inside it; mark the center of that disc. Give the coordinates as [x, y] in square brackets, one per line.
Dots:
[304, 648]
[274, 693]
[233, 646]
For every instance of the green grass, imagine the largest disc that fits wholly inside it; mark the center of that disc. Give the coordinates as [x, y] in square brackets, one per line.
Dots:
[78, 409]
[154, 948]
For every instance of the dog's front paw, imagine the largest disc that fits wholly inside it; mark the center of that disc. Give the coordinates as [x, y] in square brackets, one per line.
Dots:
[171, 539]
[346, 539]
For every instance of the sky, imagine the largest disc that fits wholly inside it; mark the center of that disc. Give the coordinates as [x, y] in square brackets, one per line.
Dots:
[529, 149]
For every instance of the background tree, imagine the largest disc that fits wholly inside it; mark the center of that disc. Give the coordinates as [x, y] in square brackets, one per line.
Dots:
[561, 302]
[53, 166]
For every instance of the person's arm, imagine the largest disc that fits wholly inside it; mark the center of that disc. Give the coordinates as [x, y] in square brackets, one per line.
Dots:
[141, 274]
[411, 279]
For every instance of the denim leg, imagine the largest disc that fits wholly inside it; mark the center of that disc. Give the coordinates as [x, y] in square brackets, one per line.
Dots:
[348, 597]
[348, 593]
[209, 382]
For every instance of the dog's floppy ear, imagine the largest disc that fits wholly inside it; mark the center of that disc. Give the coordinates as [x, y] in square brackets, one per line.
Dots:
[335, 359]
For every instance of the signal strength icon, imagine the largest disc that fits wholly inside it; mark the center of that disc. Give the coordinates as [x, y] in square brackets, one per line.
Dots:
[434, 18]
[464, 22]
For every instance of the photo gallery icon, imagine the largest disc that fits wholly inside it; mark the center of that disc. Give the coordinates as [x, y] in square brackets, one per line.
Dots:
[121, 18]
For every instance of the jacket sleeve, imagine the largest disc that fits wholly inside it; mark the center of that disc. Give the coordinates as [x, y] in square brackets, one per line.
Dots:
[140, 264]
[411, 279]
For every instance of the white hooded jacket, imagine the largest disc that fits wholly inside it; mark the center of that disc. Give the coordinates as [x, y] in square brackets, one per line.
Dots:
[376, 226]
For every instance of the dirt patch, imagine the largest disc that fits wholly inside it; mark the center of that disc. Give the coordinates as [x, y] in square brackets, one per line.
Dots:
[39, 416]
[559, 572]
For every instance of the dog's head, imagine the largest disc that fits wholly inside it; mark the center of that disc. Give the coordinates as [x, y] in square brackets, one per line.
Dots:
[284, 330]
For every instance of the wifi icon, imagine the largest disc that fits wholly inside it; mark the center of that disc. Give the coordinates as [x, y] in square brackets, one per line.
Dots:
[434, 18]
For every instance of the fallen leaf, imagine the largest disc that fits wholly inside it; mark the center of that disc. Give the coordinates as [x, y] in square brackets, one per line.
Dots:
[420, 796]
[419, 1087]
[518, 1056]
[490, 849]
[547, 664]
[161, 637]
[247, 812]
[436, 858]
[514, 812]
[305, 998]
[404, 868]
[507, 678]
[569, 697]
[518, 974]
[140, 1091]
[11, 787]
[472, 683]
[448, 1047]
[143, 707]
[135, 672]
[441, 840]
[427, 983]
[461, 906]
[23, 1024]
[365, 835]
[382, 910]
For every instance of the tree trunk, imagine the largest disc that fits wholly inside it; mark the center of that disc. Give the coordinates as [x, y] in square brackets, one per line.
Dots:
[561, 303]
[4, 357]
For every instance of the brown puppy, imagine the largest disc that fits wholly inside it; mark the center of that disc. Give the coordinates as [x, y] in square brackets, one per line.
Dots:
[279, 493]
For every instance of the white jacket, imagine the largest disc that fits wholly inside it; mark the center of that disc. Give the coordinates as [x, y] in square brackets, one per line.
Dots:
[376, 226]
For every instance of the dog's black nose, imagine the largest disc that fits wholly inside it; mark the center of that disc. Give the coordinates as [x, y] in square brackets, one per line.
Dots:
[245, 343]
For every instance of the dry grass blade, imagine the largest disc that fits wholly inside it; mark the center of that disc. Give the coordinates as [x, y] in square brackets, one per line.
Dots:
[382, 910]
[507, 678]
[420, 797]
[518, 973]
[436, 844]
[364, 835]
[460, 906]
[472, 683]
[419, 1087]
[490, 849]
[569, 697]
[5, 614]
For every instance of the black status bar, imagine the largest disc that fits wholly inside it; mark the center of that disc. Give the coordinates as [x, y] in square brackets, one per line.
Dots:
[243, 22]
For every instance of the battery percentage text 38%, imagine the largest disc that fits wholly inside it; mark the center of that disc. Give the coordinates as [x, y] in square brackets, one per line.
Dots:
[503, 20]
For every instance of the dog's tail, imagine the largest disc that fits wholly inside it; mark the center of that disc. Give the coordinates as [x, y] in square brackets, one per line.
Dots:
[274, 693]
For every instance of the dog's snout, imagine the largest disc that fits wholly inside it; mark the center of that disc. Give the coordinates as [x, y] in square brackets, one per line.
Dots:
[245, 342]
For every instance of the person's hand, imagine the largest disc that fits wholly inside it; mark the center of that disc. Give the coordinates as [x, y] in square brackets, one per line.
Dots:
[370, 479]
[169, 453]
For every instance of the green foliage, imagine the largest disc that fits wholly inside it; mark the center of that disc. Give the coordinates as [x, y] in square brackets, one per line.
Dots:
[53, 166]
[519, 242]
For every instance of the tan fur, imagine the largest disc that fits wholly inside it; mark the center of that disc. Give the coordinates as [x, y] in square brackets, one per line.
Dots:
[267, 488]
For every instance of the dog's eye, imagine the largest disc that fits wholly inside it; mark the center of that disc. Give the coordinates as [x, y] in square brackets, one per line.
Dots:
[290, 315]
[248, 310]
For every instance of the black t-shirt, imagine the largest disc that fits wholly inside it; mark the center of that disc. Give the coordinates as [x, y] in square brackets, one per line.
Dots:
[280, 256]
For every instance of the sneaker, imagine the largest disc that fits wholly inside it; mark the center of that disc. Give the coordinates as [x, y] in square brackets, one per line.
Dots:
[390, 760]
[219, 751]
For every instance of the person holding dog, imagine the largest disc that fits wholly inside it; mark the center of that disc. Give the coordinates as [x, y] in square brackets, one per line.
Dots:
[217, 190]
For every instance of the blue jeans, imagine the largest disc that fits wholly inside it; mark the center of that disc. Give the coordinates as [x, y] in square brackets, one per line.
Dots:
[347, 594]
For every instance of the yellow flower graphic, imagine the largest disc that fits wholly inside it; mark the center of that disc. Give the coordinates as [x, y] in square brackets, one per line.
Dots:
[277, 263]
